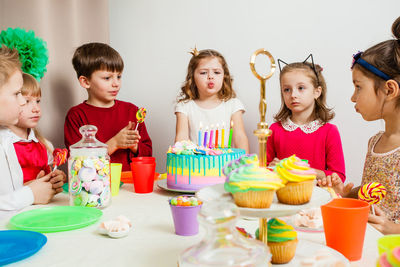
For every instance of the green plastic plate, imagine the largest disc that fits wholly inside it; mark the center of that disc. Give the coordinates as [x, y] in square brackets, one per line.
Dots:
[55, 219]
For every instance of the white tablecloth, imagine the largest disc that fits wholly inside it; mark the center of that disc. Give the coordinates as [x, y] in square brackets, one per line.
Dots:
[151, 242]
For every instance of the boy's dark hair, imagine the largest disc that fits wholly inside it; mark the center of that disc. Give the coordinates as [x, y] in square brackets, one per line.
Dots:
[91, 57]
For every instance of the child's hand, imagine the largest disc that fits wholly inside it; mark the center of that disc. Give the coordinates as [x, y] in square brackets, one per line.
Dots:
[58, 178]
[273, 163]
[42, 189]
[126, 138]
[381, 223]
[336, 183]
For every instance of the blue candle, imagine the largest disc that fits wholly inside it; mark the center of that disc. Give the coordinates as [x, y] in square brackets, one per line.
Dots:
[199, 138]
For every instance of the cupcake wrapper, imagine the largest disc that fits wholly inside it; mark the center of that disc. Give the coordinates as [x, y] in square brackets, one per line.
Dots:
[254, 199]
[296, 193]
[282, 252]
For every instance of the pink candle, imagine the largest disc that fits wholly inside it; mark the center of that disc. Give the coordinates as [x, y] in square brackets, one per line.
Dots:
[216, 137]
[210, 144]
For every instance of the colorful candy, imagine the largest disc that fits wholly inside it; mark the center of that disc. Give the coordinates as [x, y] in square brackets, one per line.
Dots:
[372, 193]
[89, 181]
[140, 116]
[185, 201]
[60, 157]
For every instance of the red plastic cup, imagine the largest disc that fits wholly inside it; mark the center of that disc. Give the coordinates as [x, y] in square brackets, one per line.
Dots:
[345, 221]
[144, 159]
[143, 176]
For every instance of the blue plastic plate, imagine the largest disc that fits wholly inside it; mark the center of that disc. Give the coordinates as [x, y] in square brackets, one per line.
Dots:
[16, 245]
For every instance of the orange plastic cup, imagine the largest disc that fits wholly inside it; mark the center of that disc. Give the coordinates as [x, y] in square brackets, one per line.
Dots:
[345, 221]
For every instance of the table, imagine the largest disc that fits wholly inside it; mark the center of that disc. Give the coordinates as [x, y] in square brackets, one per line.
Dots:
[151, 242]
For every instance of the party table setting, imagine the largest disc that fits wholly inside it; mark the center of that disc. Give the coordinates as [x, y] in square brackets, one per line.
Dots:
[151, 240]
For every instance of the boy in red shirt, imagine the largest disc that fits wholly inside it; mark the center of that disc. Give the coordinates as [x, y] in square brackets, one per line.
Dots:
[99, 69]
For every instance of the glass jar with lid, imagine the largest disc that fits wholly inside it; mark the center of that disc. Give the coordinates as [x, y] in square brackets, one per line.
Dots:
[223, 245]
[89, 171]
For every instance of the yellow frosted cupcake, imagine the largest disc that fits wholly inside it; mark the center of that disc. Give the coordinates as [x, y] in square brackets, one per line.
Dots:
[282, 241]
[298, 178]
[252, 186]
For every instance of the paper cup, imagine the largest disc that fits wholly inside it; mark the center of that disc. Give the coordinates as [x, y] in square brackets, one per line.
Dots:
[185, 219]
[143, 176]
[345, 221]
[115, 169]
[387, 243]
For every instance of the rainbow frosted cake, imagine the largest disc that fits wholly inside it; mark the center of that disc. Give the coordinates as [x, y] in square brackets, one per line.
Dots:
[191, 168]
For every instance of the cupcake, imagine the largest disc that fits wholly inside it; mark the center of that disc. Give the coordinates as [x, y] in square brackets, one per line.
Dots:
[298, 178]
[252, 186]
[282, 240]
[242, 160]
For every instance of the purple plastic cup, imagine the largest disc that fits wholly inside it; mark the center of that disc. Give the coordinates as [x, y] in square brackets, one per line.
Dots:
[185, 219]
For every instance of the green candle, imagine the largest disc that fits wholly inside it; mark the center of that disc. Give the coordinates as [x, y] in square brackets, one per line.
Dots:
[230, 135]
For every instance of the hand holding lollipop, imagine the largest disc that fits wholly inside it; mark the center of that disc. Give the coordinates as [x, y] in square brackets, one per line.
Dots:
[60, 157]
[372, 193]
[140, 116]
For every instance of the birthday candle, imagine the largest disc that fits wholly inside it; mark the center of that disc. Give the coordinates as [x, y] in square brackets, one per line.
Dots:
[199, 139]
[216, 136]
[210, 144]
[230, 135]
[205, 137]
[223, 135]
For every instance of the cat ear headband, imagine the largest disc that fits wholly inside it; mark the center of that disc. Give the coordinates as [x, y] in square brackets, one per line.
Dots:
[358, 60]
[312, 65]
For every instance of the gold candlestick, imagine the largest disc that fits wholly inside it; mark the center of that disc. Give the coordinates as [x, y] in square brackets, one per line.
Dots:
[262, 132]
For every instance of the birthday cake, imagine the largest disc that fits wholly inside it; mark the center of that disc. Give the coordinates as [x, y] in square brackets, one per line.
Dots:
[190, 167]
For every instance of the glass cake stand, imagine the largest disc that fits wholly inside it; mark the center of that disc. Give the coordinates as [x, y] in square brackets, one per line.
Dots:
[217, 192]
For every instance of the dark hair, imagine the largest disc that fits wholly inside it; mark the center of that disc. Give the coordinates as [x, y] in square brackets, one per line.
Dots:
[91, 57]
[189, 89]
[321, 111]
[386, 57]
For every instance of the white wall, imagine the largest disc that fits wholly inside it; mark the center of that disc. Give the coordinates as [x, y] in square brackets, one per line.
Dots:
[154, 36]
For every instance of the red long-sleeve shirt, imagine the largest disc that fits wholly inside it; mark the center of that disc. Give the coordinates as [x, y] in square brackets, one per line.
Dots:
[322, 148]
[109, 121]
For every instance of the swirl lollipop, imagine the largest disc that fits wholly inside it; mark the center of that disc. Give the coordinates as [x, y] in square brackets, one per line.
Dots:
[60, 157]
[372, 193]
[140, 116]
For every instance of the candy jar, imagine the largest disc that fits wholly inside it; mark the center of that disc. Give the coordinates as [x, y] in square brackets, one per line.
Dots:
[89, 171]
[223, 245]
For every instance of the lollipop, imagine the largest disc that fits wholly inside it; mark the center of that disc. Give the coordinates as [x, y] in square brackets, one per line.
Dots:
[60, 157]
[140, 116]
[372, 193]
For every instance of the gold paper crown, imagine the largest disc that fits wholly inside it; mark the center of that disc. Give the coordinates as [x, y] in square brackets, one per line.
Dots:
[194, 52]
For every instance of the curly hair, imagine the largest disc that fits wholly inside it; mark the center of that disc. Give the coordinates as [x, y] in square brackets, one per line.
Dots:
[189, 90]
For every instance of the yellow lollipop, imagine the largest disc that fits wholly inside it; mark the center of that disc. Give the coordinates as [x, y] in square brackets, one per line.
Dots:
[140, 116]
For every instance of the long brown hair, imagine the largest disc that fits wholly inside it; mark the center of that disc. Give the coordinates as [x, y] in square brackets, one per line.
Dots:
[321, 111]
[189, 90]
[386, 57]
[31, 87]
